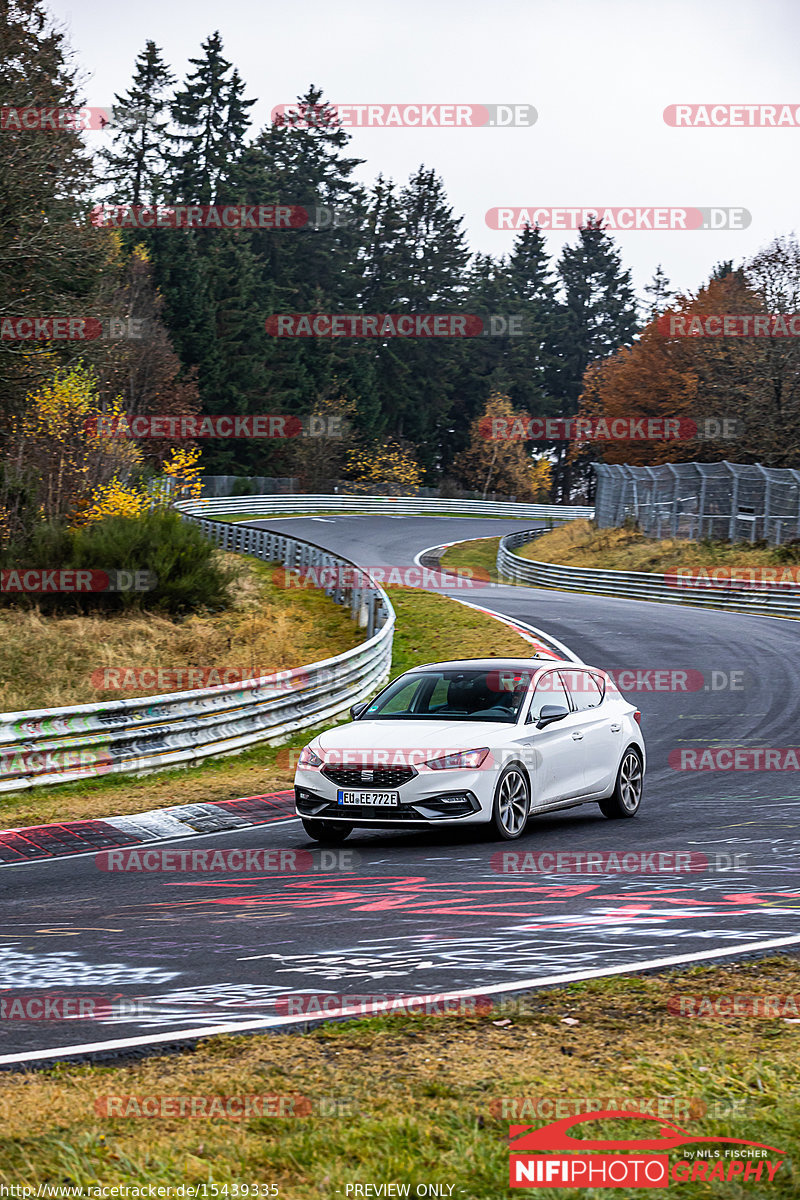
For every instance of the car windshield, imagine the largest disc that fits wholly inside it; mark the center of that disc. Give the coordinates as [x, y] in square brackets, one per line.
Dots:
[452, 695]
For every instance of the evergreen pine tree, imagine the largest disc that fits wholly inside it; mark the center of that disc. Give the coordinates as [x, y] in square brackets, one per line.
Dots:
[134, 166]
[210, 117]
[598, 316]
[417, 378]
[535, 365]
[303, 163]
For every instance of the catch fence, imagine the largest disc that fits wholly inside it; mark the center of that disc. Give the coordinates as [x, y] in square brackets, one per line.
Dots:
[725, 501]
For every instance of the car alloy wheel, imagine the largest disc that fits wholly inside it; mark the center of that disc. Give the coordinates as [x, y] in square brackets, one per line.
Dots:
[627, 795]
[511, 804]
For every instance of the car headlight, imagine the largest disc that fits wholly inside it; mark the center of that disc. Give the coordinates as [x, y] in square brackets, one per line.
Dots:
[308, 758]
[465, 758]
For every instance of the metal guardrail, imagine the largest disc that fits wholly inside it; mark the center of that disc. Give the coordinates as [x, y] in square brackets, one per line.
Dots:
[639, 585]
[388, 505]
[62, 745]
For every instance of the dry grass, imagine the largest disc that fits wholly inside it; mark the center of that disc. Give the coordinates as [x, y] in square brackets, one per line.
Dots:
[49, 661]
[580, 544]
[428, 628]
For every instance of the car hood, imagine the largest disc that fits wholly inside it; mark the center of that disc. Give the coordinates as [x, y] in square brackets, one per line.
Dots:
[446, 736]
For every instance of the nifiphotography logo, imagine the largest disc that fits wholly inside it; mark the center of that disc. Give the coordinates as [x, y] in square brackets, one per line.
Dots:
[636, 1162]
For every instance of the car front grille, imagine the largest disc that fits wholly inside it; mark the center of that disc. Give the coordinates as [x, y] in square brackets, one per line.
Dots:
[376, 777]
[371, 812]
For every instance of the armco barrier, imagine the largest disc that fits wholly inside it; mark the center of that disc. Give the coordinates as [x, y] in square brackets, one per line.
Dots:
[638, 585]
[60, 745]
[405, 506]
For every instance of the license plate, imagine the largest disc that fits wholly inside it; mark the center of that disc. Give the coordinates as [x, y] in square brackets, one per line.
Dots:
[376, 798]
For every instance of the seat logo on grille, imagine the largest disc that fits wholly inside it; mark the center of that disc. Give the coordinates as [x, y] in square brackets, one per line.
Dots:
[367, 776]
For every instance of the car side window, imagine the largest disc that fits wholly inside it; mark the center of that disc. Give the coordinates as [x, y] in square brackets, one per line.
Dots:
[549, 690]
[601, 683]
[583, 687]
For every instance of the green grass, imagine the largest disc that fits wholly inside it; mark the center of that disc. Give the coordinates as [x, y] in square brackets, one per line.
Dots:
[420, 1099]
[434, 628]
[480, 554]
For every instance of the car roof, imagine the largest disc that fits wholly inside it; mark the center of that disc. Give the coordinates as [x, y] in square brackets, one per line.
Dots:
[485, 664]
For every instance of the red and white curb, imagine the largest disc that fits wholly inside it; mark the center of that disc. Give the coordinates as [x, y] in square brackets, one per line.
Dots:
[64, 839]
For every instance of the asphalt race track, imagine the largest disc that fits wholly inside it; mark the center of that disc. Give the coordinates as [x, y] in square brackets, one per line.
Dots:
[427, 913]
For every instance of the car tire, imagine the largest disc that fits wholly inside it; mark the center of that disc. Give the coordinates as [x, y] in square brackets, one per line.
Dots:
[512, 804]
[626, 798]
[331, 833]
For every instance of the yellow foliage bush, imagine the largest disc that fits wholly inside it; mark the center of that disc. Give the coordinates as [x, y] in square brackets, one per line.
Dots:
[389, 467]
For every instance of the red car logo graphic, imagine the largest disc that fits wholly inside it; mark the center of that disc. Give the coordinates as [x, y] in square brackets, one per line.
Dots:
[527, 1138]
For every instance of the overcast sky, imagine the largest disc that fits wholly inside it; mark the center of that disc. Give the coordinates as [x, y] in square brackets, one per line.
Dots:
[599, 73]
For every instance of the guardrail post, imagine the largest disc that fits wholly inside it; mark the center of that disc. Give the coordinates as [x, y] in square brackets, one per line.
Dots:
[363, 609]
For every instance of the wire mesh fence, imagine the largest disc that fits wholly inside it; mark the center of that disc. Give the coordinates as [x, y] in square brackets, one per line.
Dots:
[724, 501]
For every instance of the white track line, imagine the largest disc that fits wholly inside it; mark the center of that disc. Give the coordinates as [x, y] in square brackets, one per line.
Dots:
[235, 1027]
[547, 637]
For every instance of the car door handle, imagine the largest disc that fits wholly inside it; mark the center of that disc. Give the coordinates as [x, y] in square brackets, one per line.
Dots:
[615, 728]
[577, 735]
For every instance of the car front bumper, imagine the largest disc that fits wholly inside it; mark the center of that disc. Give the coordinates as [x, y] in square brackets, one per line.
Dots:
[434, 798]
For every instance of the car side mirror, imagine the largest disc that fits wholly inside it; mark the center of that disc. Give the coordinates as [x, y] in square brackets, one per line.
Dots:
[357, 709]
[550, 713]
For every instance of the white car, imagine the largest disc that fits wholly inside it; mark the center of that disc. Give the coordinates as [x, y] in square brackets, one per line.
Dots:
[479, 740]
